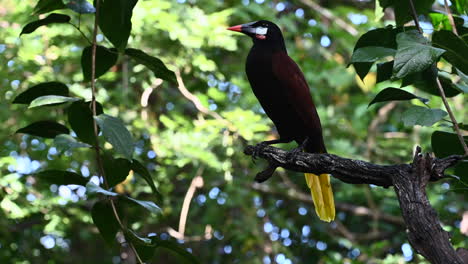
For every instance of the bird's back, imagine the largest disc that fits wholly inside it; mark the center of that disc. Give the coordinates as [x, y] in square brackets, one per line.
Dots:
[281, 89]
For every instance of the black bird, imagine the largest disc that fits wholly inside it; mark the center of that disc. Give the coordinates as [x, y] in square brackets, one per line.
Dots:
[280, 87]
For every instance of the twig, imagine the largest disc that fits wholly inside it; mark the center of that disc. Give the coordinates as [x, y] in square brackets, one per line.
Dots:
[96, 145]
[441, 89]
[197, 182]
[330, 16]
[450, 17]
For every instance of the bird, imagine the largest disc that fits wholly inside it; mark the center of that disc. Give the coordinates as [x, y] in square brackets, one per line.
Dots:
[281, 88]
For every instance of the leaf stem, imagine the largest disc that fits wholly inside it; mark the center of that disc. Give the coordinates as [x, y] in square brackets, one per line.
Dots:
[82, 33]
[441, 89]
[96, 145]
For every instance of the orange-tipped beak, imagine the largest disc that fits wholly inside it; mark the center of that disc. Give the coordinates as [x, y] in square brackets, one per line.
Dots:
[237, 28]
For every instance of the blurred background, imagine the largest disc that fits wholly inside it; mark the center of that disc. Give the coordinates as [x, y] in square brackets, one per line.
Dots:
[191, 136]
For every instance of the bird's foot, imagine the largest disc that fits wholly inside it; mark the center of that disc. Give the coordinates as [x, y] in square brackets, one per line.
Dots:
[293, 153]
[258, 149]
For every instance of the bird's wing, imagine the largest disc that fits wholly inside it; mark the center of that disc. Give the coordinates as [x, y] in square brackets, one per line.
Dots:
[298, 93]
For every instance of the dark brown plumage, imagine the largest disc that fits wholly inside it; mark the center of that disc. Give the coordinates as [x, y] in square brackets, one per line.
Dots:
[280, 87]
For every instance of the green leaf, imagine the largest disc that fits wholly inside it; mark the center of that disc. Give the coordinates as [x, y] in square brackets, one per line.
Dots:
[80, 118]
[414, 54]
[51, 100]
[46, 129]
[92, 188]
[105, 59]
[60, 177]
[418, 115]
[371, 54]
[445, 144]
[362, 68]
[154, 64]
[394, 94]
[441, 21]
[380, 37]
[426, 81]
[47, 88]
[402, 9]
[81, 7]
[66, 142]
[105, 221]
[461, 6]
[45, 6]
[116, 24]
[457, 49]
[141, 170]
[50, 19]
[116, 170]
[185, 256]
[143, 245]
[463, 84]
[146, 245]
[384, 71]
[463, 77]
[116, 134]
[148, 205]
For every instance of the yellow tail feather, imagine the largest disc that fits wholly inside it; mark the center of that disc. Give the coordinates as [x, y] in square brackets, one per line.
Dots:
[322, 195]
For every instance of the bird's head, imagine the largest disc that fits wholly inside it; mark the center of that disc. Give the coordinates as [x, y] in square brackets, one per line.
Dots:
[260, 31]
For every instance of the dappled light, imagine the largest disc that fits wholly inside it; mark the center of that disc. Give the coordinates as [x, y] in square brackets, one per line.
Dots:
[130, 131]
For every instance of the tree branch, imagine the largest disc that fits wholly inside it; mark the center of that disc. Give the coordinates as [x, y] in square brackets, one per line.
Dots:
[409, 180]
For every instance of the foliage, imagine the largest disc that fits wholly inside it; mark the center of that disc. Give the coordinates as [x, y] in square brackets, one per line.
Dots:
[155, 137]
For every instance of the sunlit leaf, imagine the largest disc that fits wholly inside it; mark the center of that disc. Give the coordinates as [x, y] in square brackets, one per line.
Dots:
[116, 134]
[141, 170]
[81, 6]
[65, 142]
[418, 115]
[46, 129]
[154, 64]
[414, 54]
[394, 94]
[50, 19]
[45, 6]
[116, 170]
[105, 59]
[457, 49]
[51, 100]
[80, 118]
[42, 89]
[104, 219]
[461, 6]
[116, 24]
[61, 177]
[442, 21]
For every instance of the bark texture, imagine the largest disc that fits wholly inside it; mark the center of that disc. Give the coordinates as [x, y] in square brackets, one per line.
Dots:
[424, 230]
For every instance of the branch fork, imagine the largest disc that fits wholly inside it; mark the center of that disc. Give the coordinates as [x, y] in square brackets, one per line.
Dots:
[409, 181]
